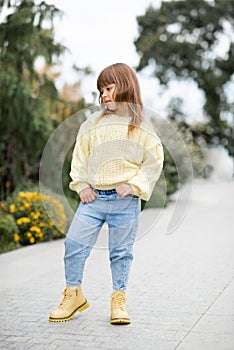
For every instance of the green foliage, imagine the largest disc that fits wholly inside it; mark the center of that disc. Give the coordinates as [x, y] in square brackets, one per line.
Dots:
[171, 174]
[66, 179]
[159, 198]
[194, 144]
[208, 133]
[35, 224]
[180, 153]
[8, 229]
[26, 34]
[181, 39]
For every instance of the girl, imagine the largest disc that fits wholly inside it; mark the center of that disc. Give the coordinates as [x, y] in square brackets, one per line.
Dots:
[116, 162]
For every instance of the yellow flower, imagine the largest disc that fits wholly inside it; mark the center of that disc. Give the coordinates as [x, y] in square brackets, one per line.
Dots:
[23, 220]
[36, 215]
[12, 208]
[39, 234]
[31, 240]
[28, 208]
[16, 237]
[35, 229]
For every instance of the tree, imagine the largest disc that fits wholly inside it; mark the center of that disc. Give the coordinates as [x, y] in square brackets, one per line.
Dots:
[182, 39]
[26, 34]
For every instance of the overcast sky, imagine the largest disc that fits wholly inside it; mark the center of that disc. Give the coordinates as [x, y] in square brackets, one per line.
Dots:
[100, 33]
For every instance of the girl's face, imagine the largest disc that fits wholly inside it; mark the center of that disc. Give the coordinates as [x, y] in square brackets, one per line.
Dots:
[107, 94]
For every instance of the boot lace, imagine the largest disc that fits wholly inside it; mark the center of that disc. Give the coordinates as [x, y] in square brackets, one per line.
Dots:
[119, 300]
[66, 298]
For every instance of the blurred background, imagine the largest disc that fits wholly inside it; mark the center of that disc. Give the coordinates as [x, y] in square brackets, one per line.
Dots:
[51, 53]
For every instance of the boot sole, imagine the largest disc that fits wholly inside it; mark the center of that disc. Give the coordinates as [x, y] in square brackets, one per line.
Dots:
[68, 318]
[120, 321]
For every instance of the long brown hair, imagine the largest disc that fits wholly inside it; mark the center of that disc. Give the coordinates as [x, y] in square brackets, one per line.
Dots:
[127, 92]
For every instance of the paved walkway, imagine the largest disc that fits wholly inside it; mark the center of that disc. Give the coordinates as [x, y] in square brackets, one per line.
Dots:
[181, 290]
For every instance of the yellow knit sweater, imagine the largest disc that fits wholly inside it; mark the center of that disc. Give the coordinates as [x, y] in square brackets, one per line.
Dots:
[105, 156]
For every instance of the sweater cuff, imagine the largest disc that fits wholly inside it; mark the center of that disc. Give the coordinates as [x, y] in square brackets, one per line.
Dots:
[136, 190]
[78, 187]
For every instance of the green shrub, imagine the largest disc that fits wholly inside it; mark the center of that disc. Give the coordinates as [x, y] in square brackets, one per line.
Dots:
[8, 232]
[34, 224]
[158, 198]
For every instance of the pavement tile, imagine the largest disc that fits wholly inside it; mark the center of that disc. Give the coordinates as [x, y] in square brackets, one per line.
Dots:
[225, 303]
[207, 341]
[216, 324]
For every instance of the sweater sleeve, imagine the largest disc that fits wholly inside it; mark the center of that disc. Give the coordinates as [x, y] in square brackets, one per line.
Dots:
[79, 163]
[149, 172]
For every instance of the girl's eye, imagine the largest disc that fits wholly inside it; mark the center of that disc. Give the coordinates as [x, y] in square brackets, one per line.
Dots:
[109, 88]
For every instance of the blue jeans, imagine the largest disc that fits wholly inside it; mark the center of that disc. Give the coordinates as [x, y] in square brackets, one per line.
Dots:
[122, 216]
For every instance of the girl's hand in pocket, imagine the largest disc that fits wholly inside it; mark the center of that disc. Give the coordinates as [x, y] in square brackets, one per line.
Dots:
[87, 195]
[124, 189]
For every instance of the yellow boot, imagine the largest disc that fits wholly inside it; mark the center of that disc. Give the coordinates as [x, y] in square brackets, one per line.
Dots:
[119, 314]
[73, 301]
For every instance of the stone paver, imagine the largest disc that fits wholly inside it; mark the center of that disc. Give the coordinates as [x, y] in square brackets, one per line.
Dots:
[181, 289]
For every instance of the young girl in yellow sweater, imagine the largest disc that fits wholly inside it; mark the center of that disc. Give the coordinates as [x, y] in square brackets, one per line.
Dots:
[116, 162]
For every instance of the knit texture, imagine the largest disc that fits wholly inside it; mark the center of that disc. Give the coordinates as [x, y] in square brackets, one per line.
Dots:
[105, 156]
